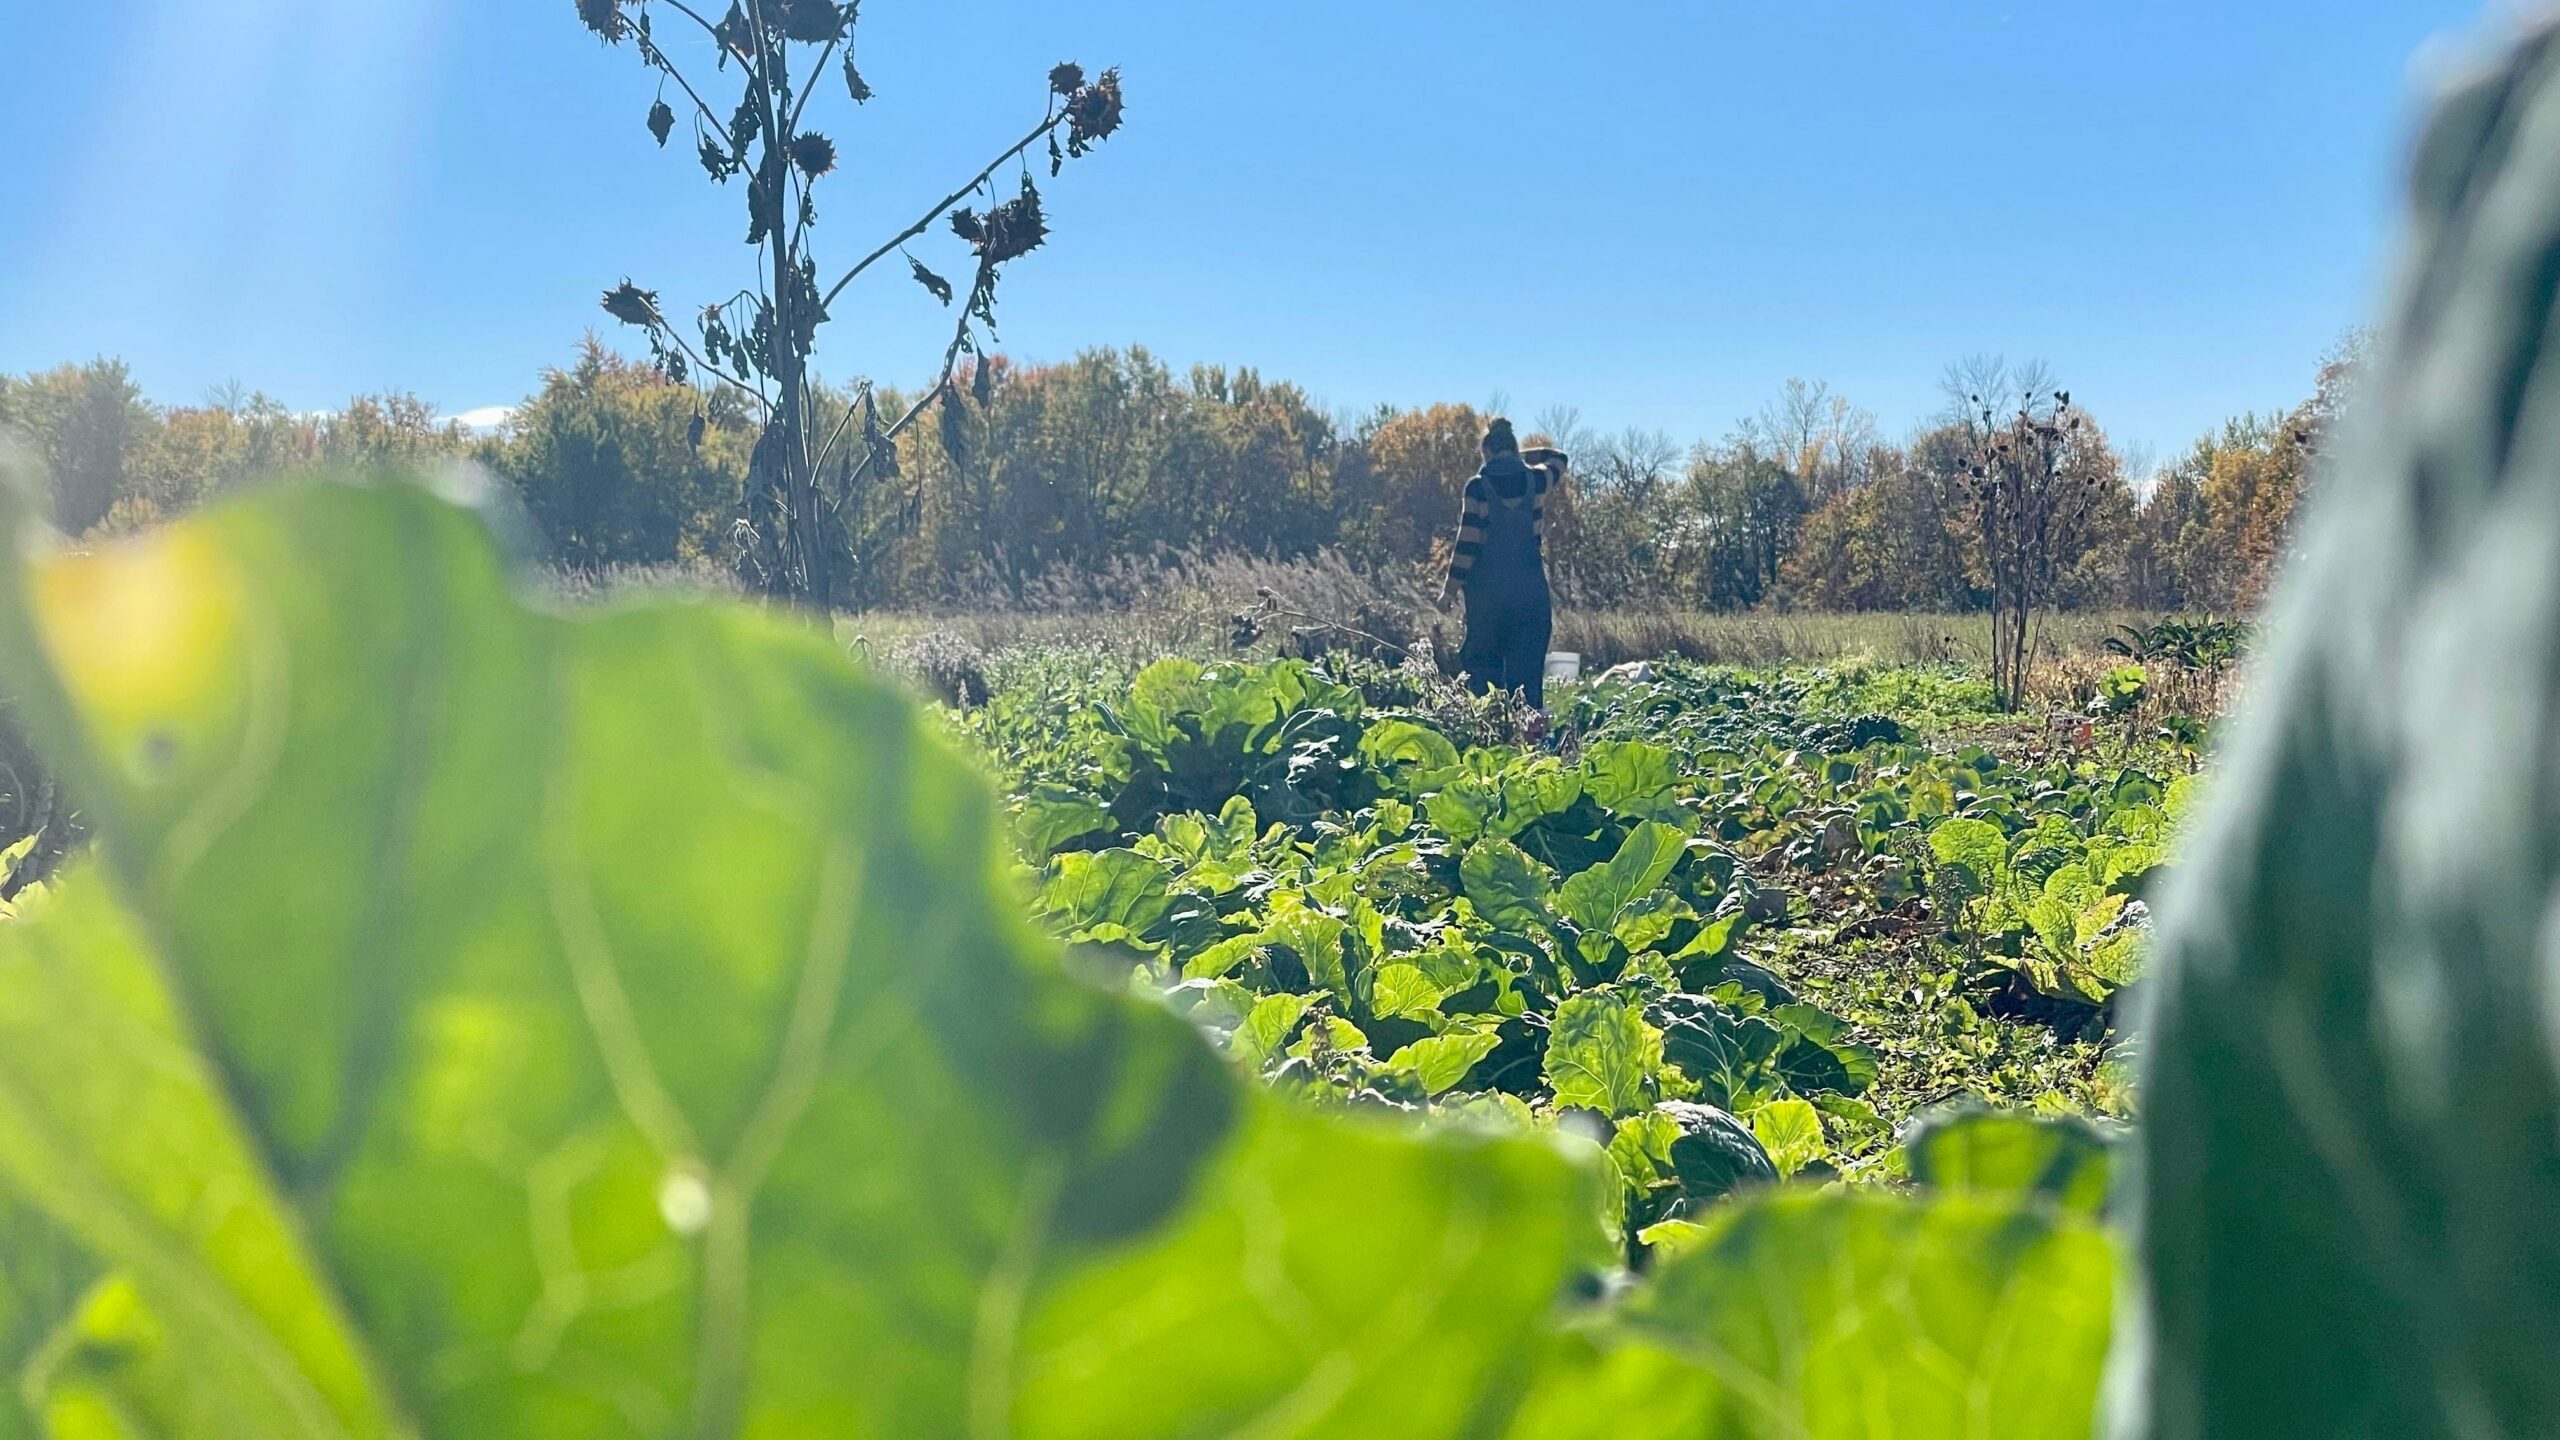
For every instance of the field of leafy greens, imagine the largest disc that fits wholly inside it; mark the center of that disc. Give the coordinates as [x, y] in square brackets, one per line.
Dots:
[1735, 927]
[484, 1021]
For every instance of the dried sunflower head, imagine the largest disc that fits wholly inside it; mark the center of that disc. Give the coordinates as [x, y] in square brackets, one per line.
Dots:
[814, 21]
[1093, 113]
[603, 17]
[813, 153]
[632, 305]
[1015, 227]
[1066, 79]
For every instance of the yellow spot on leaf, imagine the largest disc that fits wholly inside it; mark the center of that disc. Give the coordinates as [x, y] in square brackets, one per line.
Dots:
[146, 636]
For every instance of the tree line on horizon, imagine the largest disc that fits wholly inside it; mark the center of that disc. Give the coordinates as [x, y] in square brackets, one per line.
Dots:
[1112, 463]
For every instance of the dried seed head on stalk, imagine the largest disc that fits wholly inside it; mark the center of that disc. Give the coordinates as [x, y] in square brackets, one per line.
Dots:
[813, 153]
[813, 21]
[1093, 113]
[1012, 229]
[1066, 79]
[632, 305]
[603, 17]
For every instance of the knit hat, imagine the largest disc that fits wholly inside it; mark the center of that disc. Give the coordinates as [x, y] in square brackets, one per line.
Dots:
[1498, 439]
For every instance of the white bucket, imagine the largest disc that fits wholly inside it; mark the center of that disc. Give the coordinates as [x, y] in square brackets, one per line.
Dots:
[1563, 666]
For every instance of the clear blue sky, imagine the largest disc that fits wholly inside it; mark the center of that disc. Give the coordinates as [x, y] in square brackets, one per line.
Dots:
[1657, 210]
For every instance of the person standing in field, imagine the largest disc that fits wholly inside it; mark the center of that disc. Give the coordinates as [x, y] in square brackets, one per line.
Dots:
[1501, 564]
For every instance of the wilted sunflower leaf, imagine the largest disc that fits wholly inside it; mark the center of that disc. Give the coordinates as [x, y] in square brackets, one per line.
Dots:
[940, 287]
[854, 84]
[662, 122]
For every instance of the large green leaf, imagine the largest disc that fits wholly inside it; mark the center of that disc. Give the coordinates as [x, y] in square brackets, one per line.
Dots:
[1506, 887]
[2064, 1162]
[1820, 1056]
[2350, 1174]
[1703, 1152]
[1441, 1062]
[1415, 758]
[1601, 1055]
[1852, 1314]
[1791, 1132]
[1733, 1058]
[1596, 898]
[1053, 814]
[1633, 778]
[44, 1279]
[493, 1023]
[1978, 847]
[1107, 894]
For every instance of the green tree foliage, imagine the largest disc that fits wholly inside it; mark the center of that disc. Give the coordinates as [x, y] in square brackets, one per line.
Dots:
[1745, 509]
[618, 465]
[87, 423]
[1071, 470]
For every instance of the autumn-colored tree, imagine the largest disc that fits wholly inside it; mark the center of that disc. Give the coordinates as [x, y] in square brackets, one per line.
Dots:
[1419, 461]
[2218, 525]
[1075, 483]
[1891, 543]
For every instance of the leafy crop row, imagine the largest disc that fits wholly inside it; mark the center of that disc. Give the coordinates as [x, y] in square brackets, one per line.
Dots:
[1359, 909]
